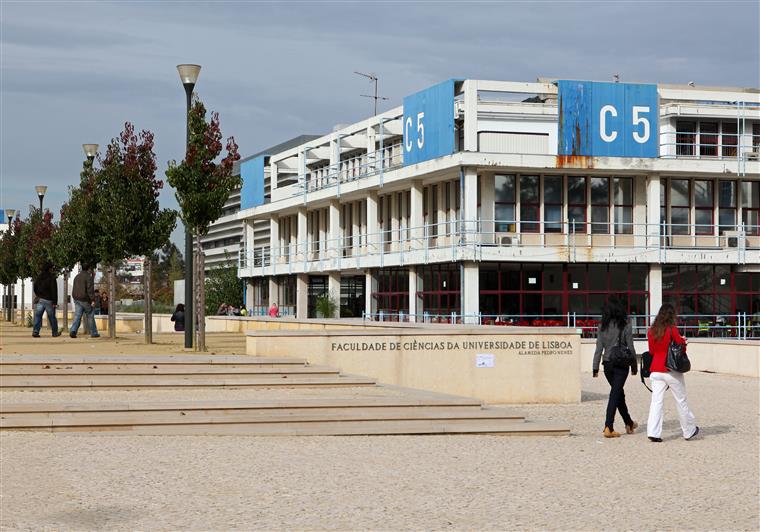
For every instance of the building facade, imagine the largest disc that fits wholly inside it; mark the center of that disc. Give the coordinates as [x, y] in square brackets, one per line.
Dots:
[508, 202]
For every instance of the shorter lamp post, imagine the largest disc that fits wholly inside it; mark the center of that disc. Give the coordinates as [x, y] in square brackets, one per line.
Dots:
[41, 189]
[9, 310]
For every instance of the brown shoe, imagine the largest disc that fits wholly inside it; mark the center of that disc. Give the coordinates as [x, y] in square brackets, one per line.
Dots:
[609, 433]
[630, 429]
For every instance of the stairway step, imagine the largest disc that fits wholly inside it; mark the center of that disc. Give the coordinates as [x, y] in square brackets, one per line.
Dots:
[202, 417]
[8, 360]
[167, 381]
[337, 428]
[54, 370]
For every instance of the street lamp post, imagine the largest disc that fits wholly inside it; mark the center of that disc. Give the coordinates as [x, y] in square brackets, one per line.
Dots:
[90, 151]
[41, 189]
[11, 213]
[188, 74]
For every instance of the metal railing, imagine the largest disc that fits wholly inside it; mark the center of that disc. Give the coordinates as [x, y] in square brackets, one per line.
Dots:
[476, 236]
[741, 326]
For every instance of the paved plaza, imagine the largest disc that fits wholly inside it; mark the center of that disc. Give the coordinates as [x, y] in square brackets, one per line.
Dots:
[580, 482]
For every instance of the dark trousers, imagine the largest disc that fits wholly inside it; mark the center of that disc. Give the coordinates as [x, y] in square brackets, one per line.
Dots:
[616, 377]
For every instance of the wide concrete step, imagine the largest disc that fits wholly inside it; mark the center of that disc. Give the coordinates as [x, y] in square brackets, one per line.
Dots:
[23, 382]
[121, 360]
[160, 369]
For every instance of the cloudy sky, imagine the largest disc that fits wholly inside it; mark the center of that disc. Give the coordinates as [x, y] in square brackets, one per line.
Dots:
[74, 72]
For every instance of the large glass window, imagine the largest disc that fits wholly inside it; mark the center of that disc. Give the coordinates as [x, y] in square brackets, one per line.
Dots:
[529, 204]
[708, 139]
[726, 206]
[703, 207]
[440, 290]
[623, 205]
[680, 206]
[392, 295]
[576, 203]
[686, 137]
[728, 139]
[553, 204]
[504, 209]
[600, 205]
[751, 207]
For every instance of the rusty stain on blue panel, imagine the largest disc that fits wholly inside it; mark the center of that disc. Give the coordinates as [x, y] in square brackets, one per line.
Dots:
[574, 115]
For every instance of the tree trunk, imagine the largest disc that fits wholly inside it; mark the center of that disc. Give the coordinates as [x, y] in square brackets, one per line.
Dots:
[148, 301]
[200, 311]
[65, 305]
[23, 305]
[202, 296]
[112, 301]
[13, 305]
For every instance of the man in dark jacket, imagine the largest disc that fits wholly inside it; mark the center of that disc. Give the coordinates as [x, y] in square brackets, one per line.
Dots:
[83, 294]
[45, 289]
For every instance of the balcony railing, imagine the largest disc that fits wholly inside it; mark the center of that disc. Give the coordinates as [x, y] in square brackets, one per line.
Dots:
[448, 240]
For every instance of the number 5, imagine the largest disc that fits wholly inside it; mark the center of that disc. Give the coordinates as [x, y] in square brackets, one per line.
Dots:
[420, 131]
[641, 139]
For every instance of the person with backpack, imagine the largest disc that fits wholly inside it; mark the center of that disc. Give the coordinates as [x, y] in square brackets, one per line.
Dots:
[614, 345]
[45, 289]
[661, 335]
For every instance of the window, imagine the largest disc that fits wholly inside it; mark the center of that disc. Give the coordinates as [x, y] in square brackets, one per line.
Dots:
[663, 205]
[708, 139]
[751, 207]
[686, 137]
[504, 209]
[529, 204]
[600, 205]
[728, 139]
[726, 206]
[703, 207]
[756, 137]
[392, 296]
[623, 206]
[440, 292]
[576, 203]
[553, 204]
[680, 206]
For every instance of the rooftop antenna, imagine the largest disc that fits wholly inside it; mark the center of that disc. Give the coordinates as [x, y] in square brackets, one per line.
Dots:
[616, 78]
[373, 79]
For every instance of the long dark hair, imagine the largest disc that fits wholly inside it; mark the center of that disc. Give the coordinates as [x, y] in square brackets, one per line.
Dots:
[665, 319]
[180, 308]
[614, 312]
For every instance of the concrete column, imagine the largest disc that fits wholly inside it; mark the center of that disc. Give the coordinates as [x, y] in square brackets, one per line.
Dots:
[249, 294]
[413, 310]
[272, 177]
[470, 115]
[471, 292]
[487, 208]
[373, 228]
[248, 243]
[274, 238]
[302, 234]
[334, 233]
[655, 289]
[302, 296]
[453, 185]
[293, 248]
[274, 294]
[653, 206]
[416, 216]
[370, 285]
[441, 228]
[393, 198]
[470, 204]
[333, 289]
[322, 216]
[356, 230]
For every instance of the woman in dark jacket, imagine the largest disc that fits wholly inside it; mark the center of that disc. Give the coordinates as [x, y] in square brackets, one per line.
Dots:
[179, 318]
[615, 325]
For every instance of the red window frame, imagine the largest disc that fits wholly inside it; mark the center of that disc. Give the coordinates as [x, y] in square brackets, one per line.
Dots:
[505, 225]
[554, 226]
[438, 299]
[681, 229]
[600, 228]
[392, 294]
[686, 138]
[704, 210]
[533, 223]
[622, 206]
[751, 206]
[728, 141]
[708, 141]
[723, 208]
[579, 227]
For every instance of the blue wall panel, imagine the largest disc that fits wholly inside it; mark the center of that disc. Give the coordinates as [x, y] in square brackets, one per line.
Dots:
[608, 119]
[252, 173]
[429, 123]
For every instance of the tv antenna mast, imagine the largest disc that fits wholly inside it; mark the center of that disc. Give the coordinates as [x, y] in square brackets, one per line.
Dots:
[373, 79]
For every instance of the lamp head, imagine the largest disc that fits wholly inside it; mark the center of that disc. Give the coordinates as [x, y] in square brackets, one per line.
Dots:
[10, 213]
[189, 73]
[90, 150]
[41, 189]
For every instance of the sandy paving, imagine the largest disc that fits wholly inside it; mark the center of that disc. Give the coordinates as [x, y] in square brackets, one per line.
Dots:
[581, 482]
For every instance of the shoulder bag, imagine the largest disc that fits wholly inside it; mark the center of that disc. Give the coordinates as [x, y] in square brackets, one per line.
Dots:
[676, 359]
[621, 355]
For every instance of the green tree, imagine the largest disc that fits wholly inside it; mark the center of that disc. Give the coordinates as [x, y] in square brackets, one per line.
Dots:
[223, 286]
[35, 241]
[9, 269]
[202, 186]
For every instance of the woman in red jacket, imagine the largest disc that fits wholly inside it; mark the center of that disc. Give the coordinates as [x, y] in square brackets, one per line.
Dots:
[662, 332]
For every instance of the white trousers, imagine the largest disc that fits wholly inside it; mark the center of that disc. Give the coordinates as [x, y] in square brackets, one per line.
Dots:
[660, 382]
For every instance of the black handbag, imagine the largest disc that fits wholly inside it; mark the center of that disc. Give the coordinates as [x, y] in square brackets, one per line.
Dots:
[676, 359]
[621, 356]
[646, 365]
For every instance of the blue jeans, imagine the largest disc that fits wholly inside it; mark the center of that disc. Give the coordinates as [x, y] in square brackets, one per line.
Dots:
[44, 305]
[84, 307]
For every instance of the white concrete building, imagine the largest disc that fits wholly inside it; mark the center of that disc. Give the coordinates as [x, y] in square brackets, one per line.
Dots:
[510, 202]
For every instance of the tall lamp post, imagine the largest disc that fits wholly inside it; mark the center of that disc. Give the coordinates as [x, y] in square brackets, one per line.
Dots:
[188, 74]
[41, 189]
[11, 213]
[90, 151]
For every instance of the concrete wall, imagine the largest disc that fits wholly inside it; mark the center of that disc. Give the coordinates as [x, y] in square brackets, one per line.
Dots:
[734, 357]
[531, 365]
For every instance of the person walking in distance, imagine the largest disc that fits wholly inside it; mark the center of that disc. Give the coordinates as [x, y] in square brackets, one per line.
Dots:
[83, 294]
[45, 290]
[660, 335]
[615, 330]
[179, 318]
